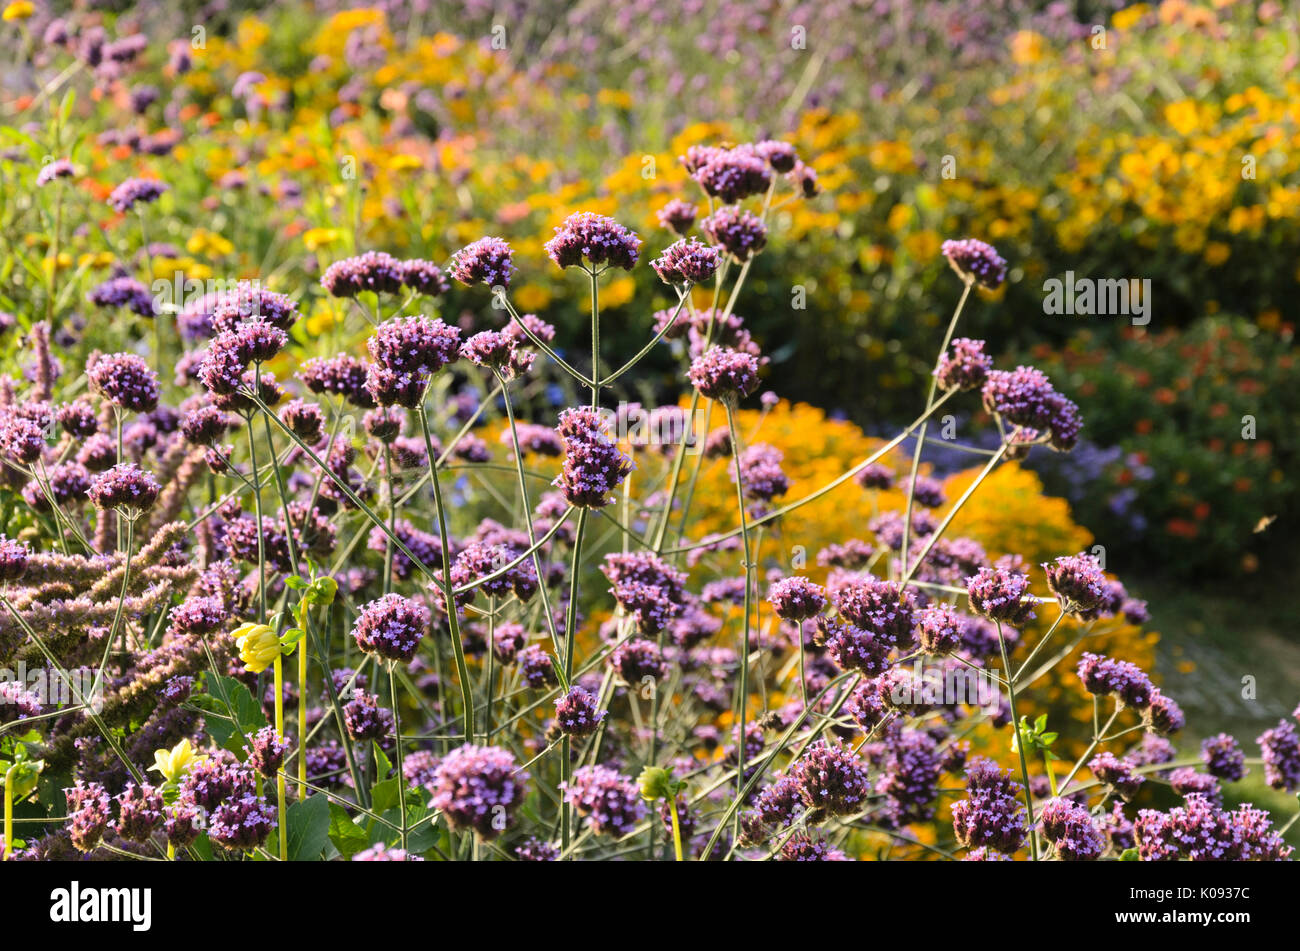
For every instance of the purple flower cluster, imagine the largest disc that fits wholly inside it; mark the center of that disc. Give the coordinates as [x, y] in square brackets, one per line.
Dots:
[125, 380]
[796, 598]
[125, 487]
[1070, 827]
[831, 779]
[1103, 676]
[976, 261]
[761, 474]
[722, 373]
[373, 271]
[479, 788]
[407, 351]
[879, 607]
[1001, 594]
[992, 815]
[1281, 748]
[135, 191]
[577, 713]
[1201, 831]
[1114, 771]
[1025, 397]
[1223, 757]
[593, 464]
[487, 261]
[595, 239]
[741, 233]
[965, 367]
[609, 801]
[1077, 581]
[391, 627]
[730, 175]
[687, 261]
[123, 292]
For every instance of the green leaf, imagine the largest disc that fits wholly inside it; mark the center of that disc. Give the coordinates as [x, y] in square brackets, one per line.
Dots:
[1040, 723]
[347, 836]
[226, 697]
[1129, 855]
[310, 825]
[383, 795]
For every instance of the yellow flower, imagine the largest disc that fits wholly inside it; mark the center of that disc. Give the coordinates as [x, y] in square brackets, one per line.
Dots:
[19, 10]
[176, 762]
[258, 646]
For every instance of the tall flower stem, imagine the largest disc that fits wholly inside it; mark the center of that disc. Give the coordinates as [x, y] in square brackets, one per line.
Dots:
[397, 746]
[9, 816]
[1020, 747]
[929, 406]
[571, 643]
[743, 700]
[677, 829]
[257, 512]
[595, 339]
[279, 773]
[453, 621]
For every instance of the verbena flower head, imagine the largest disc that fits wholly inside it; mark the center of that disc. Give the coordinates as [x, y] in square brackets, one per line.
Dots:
[135, 191]
[761, 473]
[125, 380]
[125, 487]
[1070, 827]
[1077, 581]
[499, 351]
[486, 261]
[249, 300]
[1103, 676]
[1164, 715]
[391, 627]
[407, 351]
[880, 607]
[577, 713]
[992, 816]
[1001, 594]
[741, 233]
[342, 375]
[965, 367]
[593, 464]
[242, 823]
[13, 559]
[1281, 750]
[796, 598]
[782, 156]
[479, 788]
[1223, 757]
[88, 814]
[373, 271]
[595, 239]
[976, 261]
[424, 277]
[687, 261]
[1025, 397]
[730, 175]
[610, 802]
[722, 373]
[939, 629]
[831, 779]
[51, 171]
[677, 216]
[124, 292]
[1114, 771]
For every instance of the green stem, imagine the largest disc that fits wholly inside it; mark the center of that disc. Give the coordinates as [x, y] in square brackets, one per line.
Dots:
[743, 700]
[397, 746]
[1020, 747]
[453, 621]
[279, 774]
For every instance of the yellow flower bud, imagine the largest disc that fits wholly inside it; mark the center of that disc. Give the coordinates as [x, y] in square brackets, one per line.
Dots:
[258, 646]
[174, 763]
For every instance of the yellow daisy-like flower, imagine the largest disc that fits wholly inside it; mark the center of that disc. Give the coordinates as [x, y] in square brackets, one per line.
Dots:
[176, 762]
[258, 646]
[19, 10]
